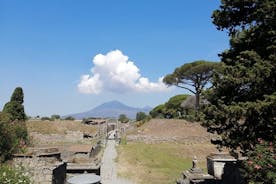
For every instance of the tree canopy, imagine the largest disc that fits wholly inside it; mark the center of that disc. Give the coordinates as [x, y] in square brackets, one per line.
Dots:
[15, 106]
[242, 107]
[123, 118]
[141, 116]
[171, 109]
[192, 76]
[13, 132]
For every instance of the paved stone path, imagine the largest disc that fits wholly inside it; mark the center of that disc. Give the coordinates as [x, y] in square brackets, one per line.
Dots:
[109, 168]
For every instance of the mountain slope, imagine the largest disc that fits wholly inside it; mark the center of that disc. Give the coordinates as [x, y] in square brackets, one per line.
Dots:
[111, 109]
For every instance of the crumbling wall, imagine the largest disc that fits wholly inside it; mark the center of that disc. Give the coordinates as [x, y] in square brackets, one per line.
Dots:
[42, 170]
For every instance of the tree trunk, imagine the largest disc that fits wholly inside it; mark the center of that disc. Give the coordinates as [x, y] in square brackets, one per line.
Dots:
[197, 101]
[197, 105]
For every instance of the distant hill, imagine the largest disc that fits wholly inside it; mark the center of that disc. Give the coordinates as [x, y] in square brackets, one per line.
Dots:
[111, 109]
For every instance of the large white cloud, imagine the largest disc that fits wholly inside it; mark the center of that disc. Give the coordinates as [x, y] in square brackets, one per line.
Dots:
[114, 72]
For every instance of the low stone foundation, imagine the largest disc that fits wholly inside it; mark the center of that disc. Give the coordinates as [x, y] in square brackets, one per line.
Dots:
[222, 169]
[42, 165]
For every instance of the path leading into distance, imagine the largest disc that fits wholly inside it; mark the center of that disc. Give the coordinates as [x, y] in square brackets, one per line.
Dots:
[109, 167]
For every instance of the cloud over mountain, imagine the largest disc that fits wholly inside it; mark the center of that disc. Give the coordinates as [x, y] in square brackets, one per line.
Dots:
[116, 73]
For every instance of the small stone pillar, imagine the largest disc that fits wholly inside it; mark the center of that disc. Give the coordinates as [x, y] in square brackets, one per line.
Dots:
[194, 175]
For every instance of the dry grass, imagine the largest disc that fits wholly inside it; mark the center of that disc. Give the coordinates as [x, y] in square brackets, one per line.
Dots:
[58, 127]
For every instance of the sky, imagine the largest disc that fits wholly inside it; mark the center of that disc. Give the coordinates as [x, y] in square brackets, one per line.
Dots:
[70, 56]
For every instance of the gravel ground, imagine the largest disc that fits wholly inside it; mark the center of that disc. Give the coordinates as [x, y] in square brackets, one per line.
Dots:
[109, 167]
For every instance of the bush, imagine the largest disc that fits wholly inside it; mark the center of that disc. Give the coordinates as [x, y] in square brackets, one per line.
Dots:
[261, 164]
[171, 109]
[140, 116]
[10, 175]
[123, 118]
[13, 137]
[46, 118]
[55, 117]
[69, 118]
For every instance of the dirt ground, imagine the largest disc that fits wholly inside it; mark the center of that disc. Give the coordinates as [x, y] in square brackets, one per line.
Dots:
[170, 130]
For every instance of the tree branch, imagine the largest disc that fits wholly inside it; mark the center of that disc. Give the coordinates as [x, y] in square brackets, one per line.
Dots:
[185, 88]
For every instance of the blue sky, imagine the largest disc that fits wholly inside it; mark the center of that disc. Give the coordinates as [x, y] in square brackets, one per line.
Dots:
[47, 46]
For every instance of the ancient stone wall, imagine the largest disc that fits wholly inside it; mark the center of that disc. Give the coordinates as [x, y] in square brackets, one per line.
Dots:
[42, 168]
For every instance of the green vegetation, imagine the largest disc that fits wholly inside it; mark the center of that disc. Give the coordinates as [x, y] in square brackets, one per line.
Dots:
[10, 175]
[13, 131]
[242, 107]
[45, 118]
[195, 75]
[69, 118]
[13, 138]
[170, 109]
[55, 117]
[157, 163]
[15, 106]
[140, 116]
[123, 118]
[261, 161]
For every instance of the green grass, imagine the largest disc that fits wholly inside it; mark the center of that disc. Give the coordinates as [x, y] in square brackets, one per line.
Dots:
[153, 163]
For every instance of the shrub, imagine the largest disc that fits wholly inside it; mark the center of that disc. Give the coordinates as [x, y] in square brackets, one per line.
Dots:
[140, 116]
[10, 175]
[13, 136]
[46, 118]
[261, 164]
[55, 117]
[69, 118]
[123, 118]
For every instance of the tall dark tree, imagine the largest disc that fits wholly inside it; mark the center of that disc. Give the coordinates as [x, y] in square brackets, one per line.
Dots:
[13, 133]
[18, 95]
[15, 106]
[192, 77]
[243, 97]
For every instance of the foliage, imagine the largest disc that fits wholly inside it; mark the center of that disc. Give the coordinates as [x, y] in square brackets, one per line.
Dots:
[261, 164]
[123, 118]
[44, 118]
[158, 111]
[18, 95]
[196, 75]
[170, 109]
[243, 98]
[13, 131]
[55, 117]
[69, 118]
[10, 175]
[14, 107]
[141, 116]
[141, 119]
[13, 138]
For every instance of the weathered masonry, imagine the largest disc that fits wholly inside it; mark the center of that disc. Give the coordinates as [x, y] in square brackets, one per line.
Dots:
[222, 169]
[43, 165]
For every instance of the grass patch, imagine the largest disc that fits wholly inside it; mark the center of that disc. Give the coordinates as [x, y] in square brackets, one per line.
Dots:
[153, 163]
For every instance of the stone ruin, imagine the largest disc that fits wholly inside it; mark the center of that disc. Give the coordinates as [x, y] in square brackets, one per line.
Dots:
[222, 169]
[43, 165]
